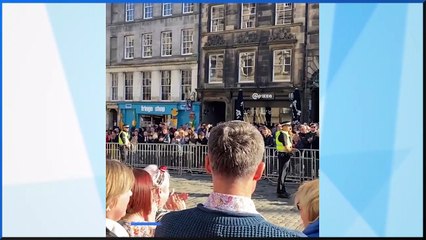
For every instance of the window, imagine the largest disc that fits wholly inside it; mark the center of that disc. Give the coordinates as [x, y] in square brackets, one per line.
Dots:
[113, 49]
[217, 18]
[166, 85]
[247, 66]
[188, 8]
[187, 40]
[147, 10]
[128, 86]
[146, 85]
[114, 86]
[147, 45]
[129, 47]
[216, 68]
[166, 43]
[186, 84]
[130, 12]
[248, 15]
[167, 9]
[282, 65]
[283, 13]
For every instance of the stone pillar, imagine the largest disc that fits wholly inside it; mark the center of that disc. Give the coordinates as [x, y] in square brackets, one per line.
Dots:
[156, 85]
[175, 85]
[137, 86]
[120, 86]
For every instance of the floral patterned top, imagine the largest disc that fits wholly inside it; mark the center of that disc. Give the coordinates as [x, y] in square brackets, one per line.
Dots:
[230, 203]
[138, 231]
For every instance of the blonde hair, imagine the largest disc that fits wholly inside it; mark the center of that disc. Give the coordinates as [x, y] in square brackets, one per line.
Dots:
[307, 197]
[119, 180]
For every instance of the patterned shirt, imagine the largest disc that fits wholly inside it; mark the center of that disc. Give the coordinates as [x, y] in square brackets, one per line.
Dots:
[138, 231]
[230, 203]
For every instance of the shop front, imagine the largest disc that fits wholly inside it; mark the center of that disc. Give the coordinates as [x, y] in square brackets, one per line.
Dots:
[174, 114]
[266, 107]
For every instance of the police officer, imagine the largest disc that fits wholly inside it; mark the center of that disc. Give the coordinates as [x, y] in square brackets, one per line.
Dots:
[124, 143]
[283, 145]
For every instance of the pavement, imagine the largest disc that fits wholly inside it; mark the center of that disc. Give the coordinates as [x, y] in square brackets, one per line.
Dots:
[279, 211]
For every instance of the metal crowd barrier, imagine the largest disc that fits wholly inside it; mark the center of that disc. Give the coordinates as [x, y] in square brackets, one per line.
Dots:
[304, 163]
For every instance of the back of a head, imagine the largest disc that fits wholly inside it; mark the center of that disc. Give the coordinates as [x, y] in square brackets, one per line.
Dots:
[235, 149]
[160, 178]
[308, 196]
[119, 179]
[141, 200]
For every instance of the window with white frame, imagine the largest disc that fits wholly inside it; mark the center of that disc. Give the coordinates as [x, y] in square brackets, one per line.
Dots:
[188, 8]
[146, 85]
[186, 84]
[282, 65]
[167, 9]
[114, 86]
[247, 66]
[248, 15]
[166, 43]
[129, 50]
[147, 10]
[166, 85]
[128, 86]
[147, 45]
[217, 18]
[187, 41]
[216, 68]
[130, 12]
[283, 13]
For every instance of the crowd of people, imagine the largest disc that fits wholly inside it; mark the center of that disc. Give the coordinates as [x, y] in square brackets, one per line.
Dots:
[304, 136]
[139, 202]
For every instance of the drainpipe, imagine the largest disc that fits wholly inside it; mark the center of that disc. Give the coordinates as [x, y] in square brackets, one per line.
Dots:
[199, 61]
[305, 80]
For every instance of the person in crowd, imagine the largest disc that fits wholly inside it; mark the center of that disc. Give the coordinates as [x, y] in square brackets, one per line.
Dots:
[119, 182]
[164, 200]
[141, 207]
[283, 143]
[193, 138]
[124, 143]
[314, 136]
[108, 136]
[176, 139]
[267, 137]
[114, 136]
[202, 138]
[234, 160]
[303, 136]
[307, 202]
[141, 135]
[164, 136]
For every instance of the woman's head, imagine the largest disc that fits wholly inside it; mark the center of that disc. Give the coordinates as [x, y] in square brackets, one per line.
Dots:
[141, 200]
[119, 181]
[161, 182]
[307, 201]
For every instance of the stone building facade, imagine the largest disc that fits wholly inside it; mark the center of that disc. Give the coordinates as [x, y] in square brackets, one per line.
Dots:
[258, 49]
[151, 63]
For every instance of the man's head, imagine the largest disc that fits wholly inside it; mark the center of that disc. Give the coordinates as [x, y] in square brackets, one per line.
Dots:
[235, 154]
[126, 128]
[286, 126]
[313, 127]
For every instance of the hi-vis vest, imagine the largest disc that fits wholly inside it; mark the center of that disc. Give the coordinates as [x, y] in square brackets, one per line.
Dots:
[126, 135]
[280, 145]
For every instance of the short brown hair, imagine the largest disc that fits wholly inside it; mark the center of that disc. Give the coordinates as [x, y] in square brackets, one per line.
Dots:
[119, 180]
[235, 149]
